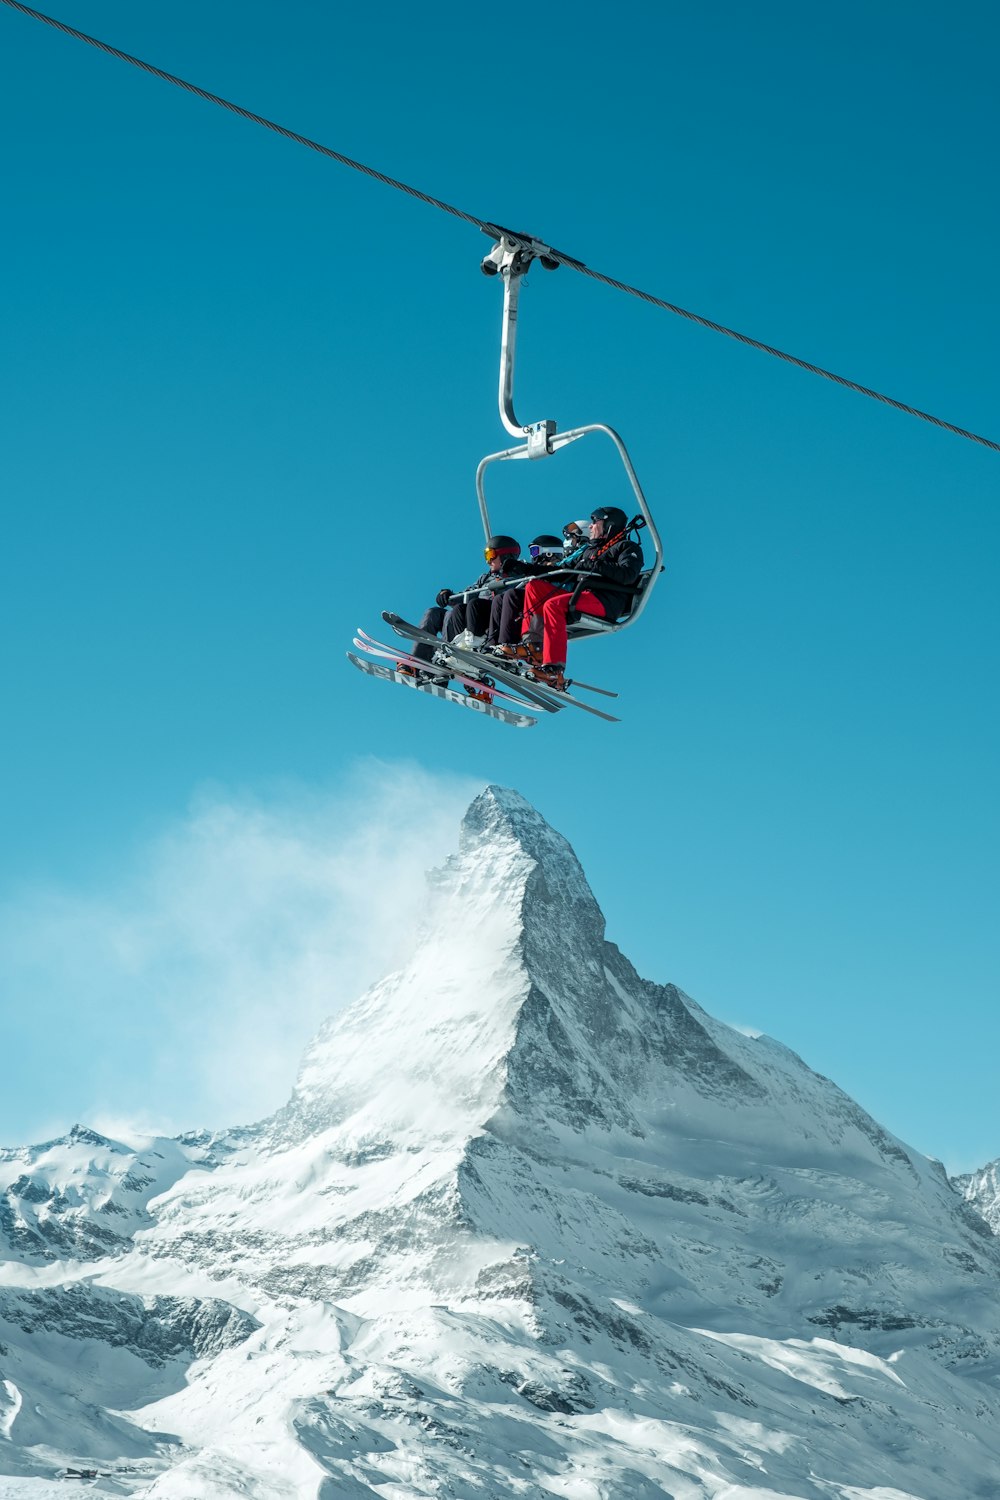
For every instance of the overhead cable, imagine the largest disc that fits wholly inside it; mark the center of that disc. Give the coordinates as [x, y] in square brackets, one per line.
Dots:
[488, 227]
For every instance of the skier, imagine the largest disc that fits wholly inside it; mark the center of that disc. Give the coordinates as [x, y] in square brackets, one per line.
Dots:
[613, 554]
[546, 552]
[503, 555]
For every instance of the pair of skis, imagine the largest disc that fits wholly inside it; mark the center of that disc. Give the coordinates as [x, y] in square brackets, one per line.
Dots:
[479, 676]
[433, 680]
[514, 676]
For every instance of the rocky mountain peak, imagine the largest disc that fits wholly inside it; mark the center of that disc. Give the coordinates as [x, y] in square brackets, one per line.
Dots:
[422, 1051]
[83, 1135]
[519, 856]
[982, 1190]
[500, 817]
[513, 1011]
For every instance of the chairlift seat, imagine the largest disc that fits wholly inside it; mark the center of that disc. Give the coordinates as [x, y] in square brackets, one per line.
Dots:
[580, 623]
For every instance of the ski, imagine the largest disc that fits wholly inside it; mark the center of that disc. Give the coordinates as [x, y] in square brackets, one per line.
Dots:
[588, 687]
[534, 691]
[365, 642]
[505, 715]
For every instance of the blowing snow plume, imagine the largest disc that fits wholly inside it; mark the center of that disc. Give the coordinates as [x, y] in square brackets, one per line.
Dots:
[528, 1225]
[184, 989]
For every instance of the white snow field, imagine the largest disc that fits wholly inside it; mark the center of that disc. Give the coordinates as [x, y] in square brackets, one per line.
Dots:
[529, 1225]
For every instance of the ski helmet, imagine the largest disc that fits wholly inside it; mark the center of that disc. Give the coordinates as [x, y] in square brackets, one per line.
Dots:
[615, 520]
[545, 546]
[501, 546]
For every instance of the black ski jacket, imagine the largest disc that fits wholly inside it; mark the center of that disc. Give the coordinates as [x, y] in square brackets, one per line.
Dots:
[510, 567]
[620, 563]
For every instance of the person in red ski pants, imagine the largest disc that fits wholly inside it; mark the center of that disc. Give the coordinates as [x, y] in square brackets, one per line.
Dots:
[551, 603]
[612, 554]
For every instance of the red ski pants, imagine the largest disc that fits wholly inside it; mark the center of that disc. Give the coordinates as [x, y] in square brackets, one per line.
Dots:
[552, 603]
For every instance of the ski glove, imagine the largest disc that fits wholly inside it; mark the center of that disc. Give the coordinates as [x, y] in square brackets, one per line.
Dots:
[443, 598]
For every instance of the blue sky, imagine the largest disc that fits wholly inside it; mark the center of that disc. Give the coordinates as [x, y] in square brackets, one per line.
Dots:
[245, 392]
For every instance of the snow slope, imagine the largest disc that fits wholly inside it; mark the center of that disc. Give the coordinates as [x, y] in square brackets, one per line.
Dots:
[528, 1225]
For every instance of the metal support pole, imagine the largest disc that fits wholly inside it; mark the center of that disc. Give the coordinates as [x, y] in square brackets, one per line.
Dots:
[508, 346]
[510, 258]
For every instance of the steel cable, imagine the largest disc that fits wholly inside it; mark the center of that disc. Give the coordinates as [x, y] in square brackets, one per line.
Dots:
[488, 227]
[791, 359]
[247, 114]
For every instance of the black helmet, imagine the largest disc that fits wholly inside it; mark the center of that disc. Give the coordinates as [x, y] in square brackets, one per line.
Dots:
[615, 520]
[545, 546]
[501, 546]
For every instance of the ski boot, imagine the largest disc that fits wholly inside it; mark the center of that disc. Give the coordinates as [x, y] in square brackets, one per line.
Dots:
[467, 640]
[522, 650]
[551, 675]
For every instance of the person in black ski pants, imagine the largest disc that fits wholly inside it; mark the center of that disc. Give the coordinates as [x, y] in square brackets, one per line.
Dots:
[503, 556]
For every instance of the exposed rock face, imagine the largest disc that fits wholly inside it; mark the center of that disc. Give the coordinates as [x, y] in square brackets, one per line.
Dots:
[982, 1190]
[529, 1224]
[157, 1330]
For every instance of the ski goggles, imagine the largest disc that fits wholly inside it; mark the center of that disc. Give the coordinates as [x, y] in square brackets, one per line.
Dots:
[534, 551]
[491, 552]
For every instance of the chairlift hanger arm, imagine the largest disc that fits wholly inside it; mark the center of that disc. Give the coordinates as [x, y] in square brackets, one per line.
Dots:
[511, 258]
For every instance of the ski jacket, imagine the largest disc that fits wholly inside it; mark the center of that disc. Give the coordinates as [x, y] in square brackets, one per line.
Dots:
[510, 567]
[620, 563]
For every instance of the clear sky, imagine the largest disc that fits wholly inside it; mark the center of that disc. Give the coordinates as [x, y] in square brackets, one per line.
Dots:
[244, 392]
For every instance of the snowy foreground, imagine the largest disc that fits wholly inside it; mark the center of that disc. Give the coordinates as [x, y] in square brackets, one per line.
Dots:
[529, 1225]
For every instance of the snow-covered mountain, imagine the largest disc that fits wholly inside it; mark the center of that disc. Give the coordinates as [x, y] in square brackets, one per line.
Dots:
[529, 1225]
[982, 1190]
[84, 1197]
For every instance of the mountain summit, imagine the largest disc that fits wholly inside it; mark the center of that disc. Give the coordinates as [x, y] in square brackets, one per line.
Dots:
[528, 1225]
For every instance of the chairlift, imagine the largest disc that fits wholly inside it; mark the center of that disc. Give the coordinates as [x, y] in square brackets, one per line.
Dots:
[513, 690]
[510, 259]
